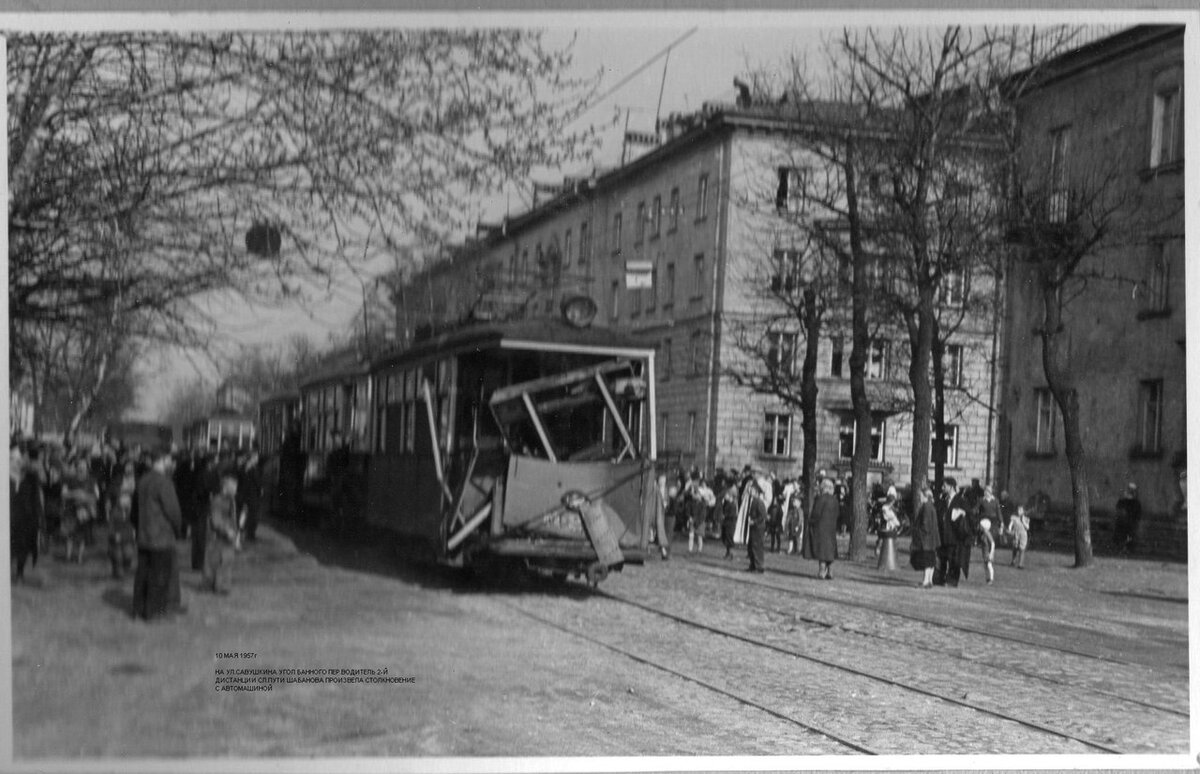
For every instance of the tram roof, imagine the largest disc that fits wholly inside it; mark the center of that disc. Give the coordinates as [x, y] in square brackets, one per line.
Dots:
[541, 332]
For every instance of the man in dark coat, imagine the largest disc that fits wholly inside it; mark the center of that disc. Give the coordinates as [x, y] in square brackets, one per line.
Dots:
[729, 514]
[756, 515]
[961, 524]
[1129, 515]
[820, 537]
[25, 512]
[159, 521]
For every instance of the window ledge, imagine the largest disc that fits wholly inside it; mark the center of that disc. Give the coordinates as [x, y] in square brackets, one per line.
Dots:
[1034, 454]
[1138, 453]
[1154, 314]
[1169, 168]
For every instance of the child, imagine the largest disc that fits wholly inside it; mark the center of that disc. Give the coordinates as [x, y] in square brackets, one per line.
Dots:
[775, 525]
[122, 544]
[794, 524]
[1018, 527]
[987, 544]
[222, 535]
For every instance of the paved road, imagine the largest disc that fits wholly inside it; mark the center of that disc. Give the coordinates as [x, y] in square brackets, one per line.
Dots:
[523, 668]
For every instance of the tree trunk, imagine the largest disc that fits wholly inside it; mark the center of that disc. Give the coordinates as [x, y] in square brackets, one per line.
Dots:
[860, 298]
[921, 337]
[85, 398]
[939, 405]
[808, 396]
[1056, 363]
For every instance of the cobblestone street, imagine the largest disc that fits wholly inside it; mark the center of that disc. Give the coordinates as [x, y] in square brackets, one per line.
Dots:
[682, 658]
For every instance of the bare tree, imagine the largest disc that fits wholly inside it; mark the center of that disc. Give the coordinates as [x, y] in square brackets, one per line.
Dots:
[147, 169]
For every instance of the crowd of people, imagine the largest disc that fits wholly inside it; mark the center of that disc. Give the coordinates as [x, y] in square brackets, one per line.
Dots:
[754, 507]
[144, 501]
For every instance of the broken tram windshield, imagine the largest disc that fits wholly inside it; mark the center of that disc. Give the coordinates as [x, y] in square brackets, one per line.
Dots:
[591, 413]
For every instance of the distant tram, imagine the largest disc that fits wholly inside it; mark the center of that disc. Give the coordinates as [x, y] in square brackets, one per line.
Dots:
[529, 440]
[224, 428]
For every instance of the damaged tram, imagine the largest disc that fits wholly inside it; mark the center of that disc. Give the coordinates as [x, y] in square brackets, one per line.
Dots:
[528, 440]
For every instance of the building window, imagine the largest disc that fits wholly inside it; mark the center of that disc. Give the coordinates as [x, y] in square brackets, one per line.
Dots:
[847, 437]
[1150, 405]
[1060, 148]
[954, 288]
[698, 277]
[1045, 421]
[656, 217]
[691, 432]
[702, 198]
[877, 357]
[788, 276]
[664, 424]
[585, 242]
[837, 356]
[635, 302]
[669, 289]
[567, 248]
[673, 210]
[1166, 139]
[952, 365]
[781, 353]
[792, 183]
[616, 234]
[777, 435]
[1158, 271]
[523, 276]
[615, 308]
[666, 359]
[639, 225]
[697, 354]
[945, 448]
[652, 297]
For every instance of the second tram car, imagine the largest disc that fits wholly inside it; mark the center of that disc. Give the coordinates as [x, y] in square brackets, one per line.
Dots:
[531, 440]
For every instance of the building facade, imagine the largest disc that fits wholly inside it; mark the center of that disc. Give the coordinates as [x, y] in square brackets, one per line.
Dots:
[1106, 122]
[675, 248]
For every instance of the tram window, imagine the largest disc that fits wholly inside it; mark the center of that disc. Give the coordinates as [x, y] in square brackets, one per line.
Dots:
[392, 426]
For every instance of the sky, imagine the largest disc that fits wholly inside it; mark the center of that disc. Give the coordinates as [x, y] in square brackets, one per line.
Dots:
[706, 51]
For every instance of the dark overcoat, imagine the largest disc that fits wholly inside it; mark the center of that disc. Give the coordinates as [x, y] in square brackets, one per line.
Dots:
[159, 518]
[926, 535]
[820, 538]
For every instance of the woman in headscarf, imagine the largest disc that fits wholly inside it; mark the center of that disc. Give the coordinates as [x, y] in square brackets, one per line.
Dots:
[820, 538]
[926, 537]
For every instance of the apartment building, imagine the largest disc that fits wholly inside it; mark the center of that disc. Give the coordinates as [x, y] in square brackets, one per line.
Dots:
[676, 247]
[1107, 119]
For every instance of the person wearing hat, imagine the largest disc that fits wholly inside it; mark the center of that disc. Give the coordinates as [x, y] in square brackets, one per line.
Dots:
[159, 520]
[820, 537]
[759, 488]
[1129, 515]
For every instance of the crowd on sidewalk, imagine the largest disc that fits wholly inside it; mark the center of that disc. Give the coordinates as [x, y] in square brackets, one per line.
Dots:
[145, 501]
[768, 513]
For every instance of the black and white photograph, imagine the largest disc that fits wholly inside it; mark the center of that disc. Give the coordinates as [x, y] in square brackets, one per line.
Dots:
[542, 390]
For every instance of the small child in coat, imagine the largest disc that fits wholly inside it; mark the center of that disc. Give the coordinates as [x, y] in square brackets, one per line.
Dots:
[222, 540]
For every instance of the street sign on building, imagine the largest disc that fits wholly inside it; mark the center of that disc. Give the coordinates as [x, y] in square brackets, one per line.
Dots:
[638, 275]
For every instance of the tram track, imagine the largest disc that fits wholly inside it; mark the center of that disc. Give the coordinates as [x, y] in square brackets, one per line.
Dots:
[919, 645]
[1088, 744]
[689, 678]
[718, 570]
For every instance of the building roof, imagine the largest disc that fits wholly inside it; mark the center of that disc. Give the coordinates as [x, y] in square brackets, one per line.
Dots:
[1094, 53]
